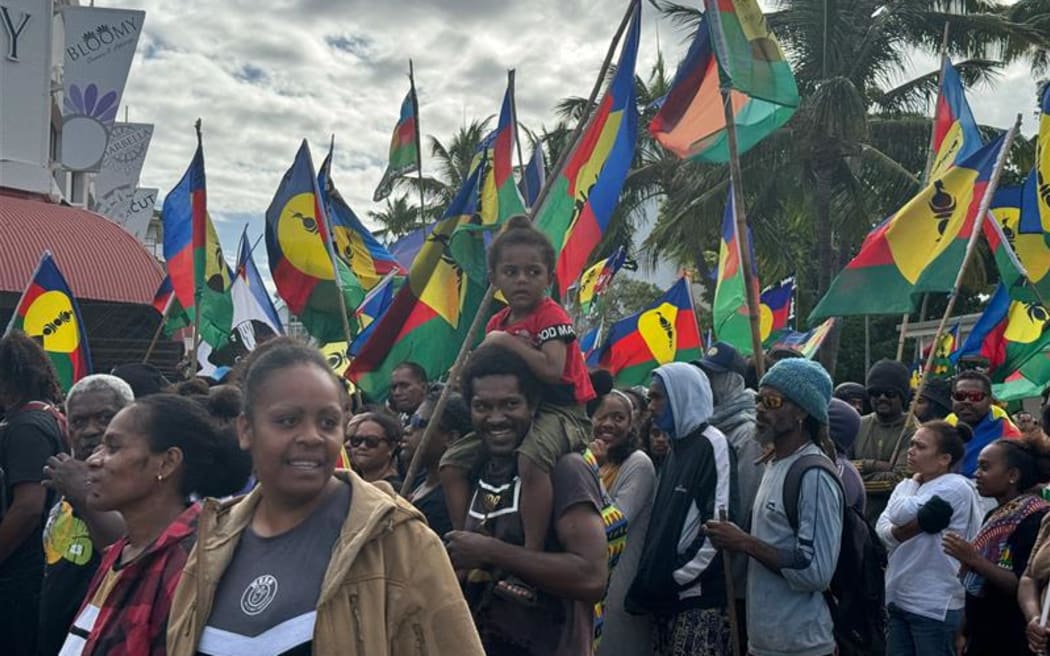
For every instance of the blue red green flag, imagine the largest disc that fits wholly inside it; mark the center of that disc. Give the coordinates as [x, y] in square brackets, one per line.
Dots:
[176, 315]
[193, 256]
[665, 331]
[355, 244]
[372, 309]
[955, 133]
[730, 316]
[48, 312]
[302, 259]
[805, 343]
[596, 280]
[431, 313]
[533, 177]
[582, 198]
[404, 145]
[1008, 333]
[775, 306]
[919, 249]
[732, 47]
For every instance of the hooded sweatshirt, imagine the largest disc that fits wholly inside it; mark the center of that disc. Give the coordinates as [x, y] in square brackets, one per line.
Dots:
[679, 567]
[735, 416]
[389, 587]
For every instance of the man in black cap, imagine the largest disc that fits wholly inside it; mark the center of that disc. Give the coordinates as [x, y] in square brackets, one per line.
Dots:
[935, 400]
[876, 453]
[735, 416]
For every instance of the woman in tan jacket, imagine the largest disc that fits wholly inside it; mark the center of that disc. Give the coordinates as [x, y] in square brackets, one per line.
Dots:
[311, 562]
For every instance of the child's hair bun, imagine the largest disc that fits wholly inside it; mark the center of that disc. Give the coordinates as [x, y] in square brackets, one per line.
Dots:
[518, 221]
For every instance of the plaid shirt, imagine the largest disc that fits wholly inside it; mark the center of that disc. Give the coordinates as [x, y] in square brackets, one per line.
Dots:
[133, 619]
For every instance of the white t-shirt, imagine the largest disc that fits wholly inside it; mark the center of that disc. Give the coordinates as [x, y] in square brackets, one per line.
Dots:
[920, 577]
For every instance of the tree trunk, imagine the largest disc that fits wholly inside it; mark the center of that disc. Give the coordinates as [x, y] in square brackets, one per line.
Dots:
[827, 263]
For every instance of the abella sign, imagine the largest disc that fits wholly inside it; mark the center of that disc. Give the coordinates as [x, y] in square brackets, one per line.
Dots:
[100, 44]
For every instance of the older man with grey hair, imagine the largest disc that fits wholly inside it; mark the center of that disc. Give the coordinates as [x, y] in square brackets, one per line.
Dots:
[75, 536]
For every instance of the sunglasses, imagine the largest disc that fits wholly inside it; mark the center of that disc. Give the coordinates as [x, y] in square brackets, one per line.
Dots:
[769, 401]
[972, 397]
[884, 393]
[366, 440]
[417, 422]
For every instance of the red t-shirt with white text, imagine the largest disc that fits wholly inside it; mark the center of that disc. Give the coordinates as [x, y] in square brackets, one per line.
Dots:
[549, 322]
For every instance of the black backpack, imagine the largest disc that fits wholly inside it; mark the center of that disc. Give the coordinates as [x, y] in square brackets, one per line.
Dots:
[857, 594]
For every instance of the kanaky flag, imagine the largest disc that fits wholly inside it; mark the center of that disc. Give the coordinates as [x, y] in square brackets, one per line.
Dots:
[432, 312]
[404, 146]
[805, 343]
[1030, 380]
[582, 199]
[254, 315]
[372, 309]
[533, 177]
[596, 280]
[176, 316]
[1008, 333]
[732, 322]
[48, 312]
[1023, 213]
[732, 47]
[775, 306]
[665, 331]
[193, 256]
[941, 366]
[354, 244]
[302, 260]
[955, 133]
[919, 249]
[499, 194]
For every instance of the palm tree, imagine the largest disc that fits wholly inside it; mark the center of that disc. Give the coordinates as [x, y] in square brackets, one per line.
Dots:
[400, 218]
[854, 151]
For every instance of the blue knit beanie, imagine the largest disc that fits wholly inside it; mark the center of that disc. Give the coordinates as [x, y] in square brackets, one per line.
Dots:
[804, 382]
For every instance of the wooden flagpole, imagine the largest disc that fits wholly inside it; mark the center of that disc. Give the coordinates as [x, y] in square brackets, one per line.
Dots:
[330, 247]
[971, 246]
[925, 180]
[743, 238]
[517, 134]
[482, 314]
[160, 327]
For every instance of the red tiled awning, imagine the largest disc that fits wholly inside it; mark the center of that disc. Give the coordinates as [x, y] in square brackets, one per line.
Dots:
[98, 258]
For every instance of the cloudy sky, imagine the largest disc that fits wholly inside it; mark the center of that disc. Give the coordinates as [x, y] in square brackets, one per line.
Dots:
[264, 74]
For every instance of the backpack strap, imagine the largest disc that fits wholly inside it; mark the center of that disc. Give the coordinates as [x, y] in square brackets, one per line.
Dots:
[793, 482]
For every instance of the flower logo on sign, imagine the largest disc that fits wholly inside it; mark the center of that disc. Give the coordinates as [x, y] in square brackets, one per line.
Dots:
[88, 116]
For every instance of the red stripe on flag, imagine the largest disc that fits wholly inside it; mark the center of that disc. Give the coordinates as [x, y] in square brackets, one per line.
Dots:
[296, 287]
[585, 150]
[579, 243]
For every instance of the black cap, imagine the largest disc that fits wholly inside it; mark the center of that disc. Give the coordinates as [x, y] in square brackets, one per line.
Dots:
[721, 357]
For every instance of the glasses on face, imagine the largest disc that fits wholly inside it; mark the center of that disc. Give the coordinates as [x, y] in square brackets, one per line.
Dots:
[884, 393]
[972, 396]
[417, 422]
[356, 441]
[769, 401]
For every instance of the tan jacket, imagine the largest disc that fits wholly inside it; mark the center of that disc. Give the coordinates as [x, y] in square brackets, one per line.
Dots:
[389, 587]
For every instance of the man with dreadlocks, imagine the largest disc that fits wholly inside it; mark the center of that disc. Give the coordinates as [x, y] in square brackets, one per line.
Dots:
[32, 431]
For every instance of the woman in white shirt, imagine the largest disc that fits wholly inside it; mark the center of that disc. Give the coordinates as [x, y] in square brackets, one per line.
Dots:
[924, 596]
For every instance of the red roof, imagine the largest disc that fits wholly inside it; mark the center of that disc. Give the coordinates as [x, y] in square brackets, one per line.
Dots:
[98, 258]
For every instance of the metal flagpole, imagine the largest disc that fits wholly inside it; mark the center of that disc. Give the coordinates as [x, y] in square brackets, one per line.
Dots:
[971, 246]
[517, 135]
[481, 316]
[419, 146]
[196, 293]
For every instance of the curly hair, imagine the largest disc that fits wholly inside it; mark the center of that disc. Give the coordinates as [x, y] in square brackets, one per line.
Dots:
[26, 373]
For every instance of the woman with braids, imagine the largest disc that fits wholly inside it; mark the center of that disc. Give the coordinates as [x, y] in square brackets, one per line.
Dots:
[155, 455]
[313, 560]
[32, 431]
[1008, 471]
[630, 479]
[924, 596]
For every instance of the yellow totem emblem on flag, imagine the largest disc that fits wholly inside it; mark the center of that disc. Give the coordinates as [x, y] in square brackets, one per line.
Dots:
[51, 317]
[299, 235]
[657, 328]
[924, 228]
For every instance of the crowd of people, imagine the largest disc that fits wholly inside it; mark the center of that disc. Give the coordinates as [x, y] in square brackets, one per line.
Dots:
[550, 513]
